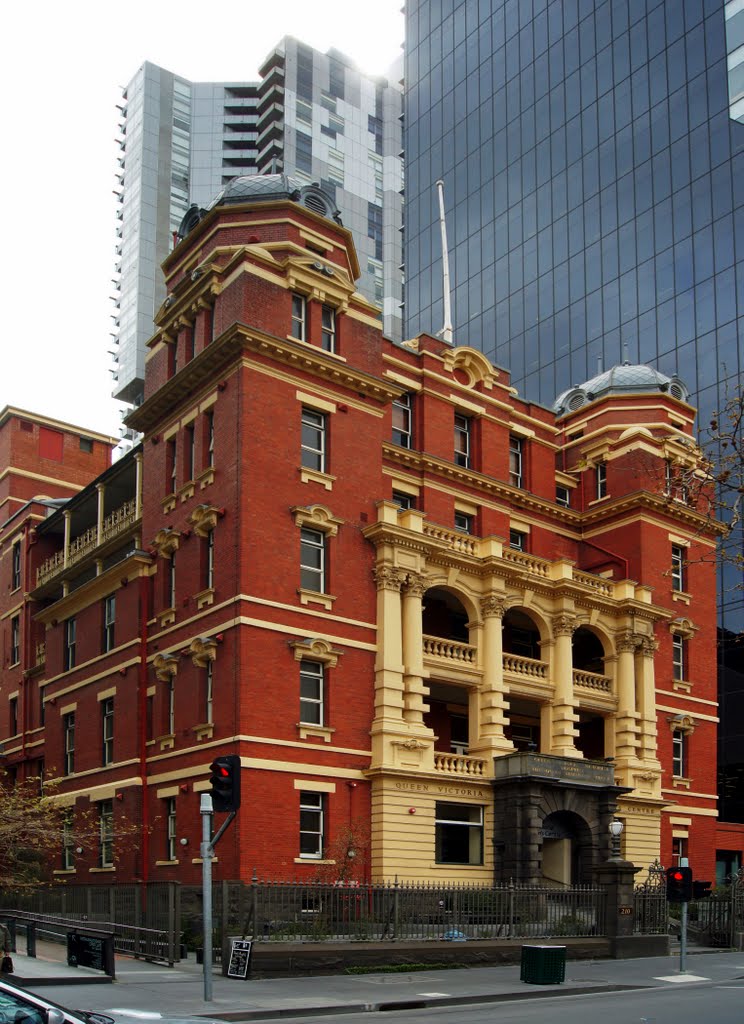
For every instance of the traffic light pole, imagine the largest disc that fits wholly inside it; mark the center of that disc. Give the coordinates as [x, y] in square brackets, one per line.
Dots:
[684, 863]
[207, 853]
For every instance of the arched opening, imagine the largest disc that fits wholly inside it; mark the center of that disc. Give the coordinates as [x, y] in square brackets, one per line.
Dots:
[444, 616]
[588, 652]
[566, 849]
[521, 635]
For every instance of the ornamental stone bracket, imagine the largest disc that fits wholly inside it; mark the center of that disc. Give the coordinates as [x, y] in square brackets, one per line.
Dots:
[202, 650]
[315, 650]
[166, 542]
[204, 519]
[410, 744]
[166, 666]
[318, 516]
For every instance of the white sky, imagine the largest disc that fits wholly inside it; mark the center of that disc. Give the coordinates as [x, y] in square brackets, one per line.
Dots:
[62, 66]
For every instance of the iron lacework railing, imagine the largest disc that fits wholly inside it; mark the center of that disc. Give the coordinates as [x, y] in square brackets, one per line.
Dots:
[396, 911]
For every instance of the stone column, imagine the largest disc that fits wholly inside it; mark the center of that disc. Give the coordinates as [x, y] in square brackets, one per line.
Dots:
[101, 493]
[564, 717]
[413, 649]
[67, 516]
[626, 729]
[138, 485]
[492, 703]
[389, 665]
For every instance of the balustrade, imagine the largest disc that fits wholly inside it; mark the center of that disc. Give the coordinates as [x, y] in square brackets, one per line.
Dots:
[460, 764]
[451, 650]
[592, 680]
[117, 522]
[520, 666]
[460, 542]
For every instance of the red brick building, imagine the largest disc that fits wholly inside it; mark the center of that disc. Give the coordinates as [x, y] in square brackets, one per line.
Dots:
[451, 634]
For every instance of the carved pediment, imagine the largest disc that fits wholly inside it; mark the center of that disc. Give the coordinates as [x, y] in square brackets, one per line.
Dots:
[204, 519]
[166, 541]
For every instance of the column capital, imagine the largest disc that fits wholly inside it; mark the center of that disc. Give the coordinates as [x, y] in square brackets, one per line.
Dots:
[626, 643]
[649, 644]
[563, 625]
[389, 578]
[493, 607]
[415, 584]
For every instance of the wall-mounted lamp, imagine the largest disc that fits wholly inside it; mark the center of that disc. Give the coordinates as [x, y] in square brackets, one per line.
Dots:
[616, 830]
[184, 841]
[79, 849]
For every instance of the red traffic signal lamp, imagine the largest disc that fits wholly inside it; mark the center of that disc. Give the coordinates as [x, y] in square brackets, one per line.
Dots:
[679, 885]
[225, 782]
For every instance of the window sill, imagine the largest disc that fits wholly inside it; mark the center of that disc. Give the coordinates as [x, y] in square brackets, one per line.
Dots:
[187, 491]
[167, 617]
[313, 860]
[166, 742]
[314, 476]
[596, 501]
[100, 871]
[168, 503]
[682, 685]
[681, 783]
[166, 863]
[320, 732]
[681, 595]
[64, 871]
[204, 731]
[206, 477]
[313, 597]
[204, 598]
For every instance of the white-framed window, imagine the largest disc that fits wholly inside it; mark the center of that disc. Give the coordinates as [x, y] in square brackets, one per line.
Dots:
[312, 686]
[679, 753]
[601, 480]
[679, 652]
[70, 641]
[404, 501]
[328, 329]
[674, 483]
[171, 705]
[171, 595]
[16, 566]
[170, 828]
[464, 522]
[517, 540]
[313, 560]
[313, 451]
[311, 825]
[462, 440]
[563, 496]
[107, 730]
[402, 409]
[109, 622]
[678, 567]
[209, 560]
[299, 318]
[209, 435]
[106, 834]
[458, 833]
[516, 452]
[209, 693]
[68, 842]
[68, 739]
[15, 640]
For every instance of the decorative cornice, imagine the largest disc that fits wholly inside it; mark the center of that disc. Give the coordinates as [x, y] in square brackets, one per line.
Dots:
[226, 351]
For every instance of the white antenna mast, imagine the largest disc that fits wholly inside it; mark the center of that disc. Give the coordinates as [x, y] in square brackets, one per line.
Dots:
[446, 332]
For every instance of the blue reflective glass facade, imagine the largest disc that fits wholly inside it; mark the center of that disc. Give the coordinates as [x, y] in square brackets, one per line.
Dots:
[594, 181]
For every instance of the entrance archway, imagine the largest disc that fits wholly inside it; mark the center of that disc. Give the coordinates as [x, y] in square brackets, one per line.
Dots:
[566, 849]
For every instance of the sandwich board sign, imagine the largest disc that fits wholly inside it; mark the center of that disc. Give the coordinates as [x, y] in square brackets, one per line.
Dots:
[240, 958]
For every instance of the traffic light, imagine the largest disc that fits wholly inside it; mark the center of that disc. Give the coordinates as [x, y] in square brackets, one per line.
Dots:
[679, 885]
[225, 782]
[701, 890]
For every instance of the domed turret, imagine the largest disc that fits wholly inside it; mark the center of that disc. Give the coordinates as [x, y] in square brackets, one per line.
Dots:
[624, 379]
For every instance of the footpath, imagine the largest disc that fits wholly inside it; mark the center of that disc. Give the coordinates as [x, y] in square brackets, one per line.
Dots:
[146, 989]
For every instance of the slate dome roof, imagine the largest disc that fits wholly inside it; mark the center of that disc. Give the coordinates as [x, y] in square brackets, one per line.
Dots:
[624, 379]
[256, 188]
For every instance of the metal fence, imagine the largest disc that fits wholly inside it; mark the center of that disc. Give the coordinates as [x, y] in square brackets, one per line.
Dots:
[145, 918]
[313, 912]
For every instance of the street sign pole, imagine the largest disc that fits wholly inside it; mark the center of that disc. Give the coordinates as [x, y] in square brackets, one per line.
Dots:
[207, 852]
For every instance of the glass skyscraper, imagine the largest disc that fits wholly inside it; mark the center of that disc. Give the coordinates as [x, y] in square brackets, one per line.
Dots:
[593, 160]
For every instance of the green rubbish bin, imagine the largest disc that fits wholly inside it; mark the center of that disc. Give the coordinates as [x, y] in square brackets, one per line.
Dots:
[543, 965]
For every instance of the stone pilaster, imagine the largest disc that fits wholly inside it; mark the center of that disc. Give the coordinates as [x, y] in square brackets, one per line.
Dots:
[413, 650]
[626, 730]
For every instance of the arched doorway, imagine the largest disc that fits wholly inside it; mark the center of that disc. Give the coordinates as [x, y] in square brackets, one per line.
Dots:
[566, 849]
